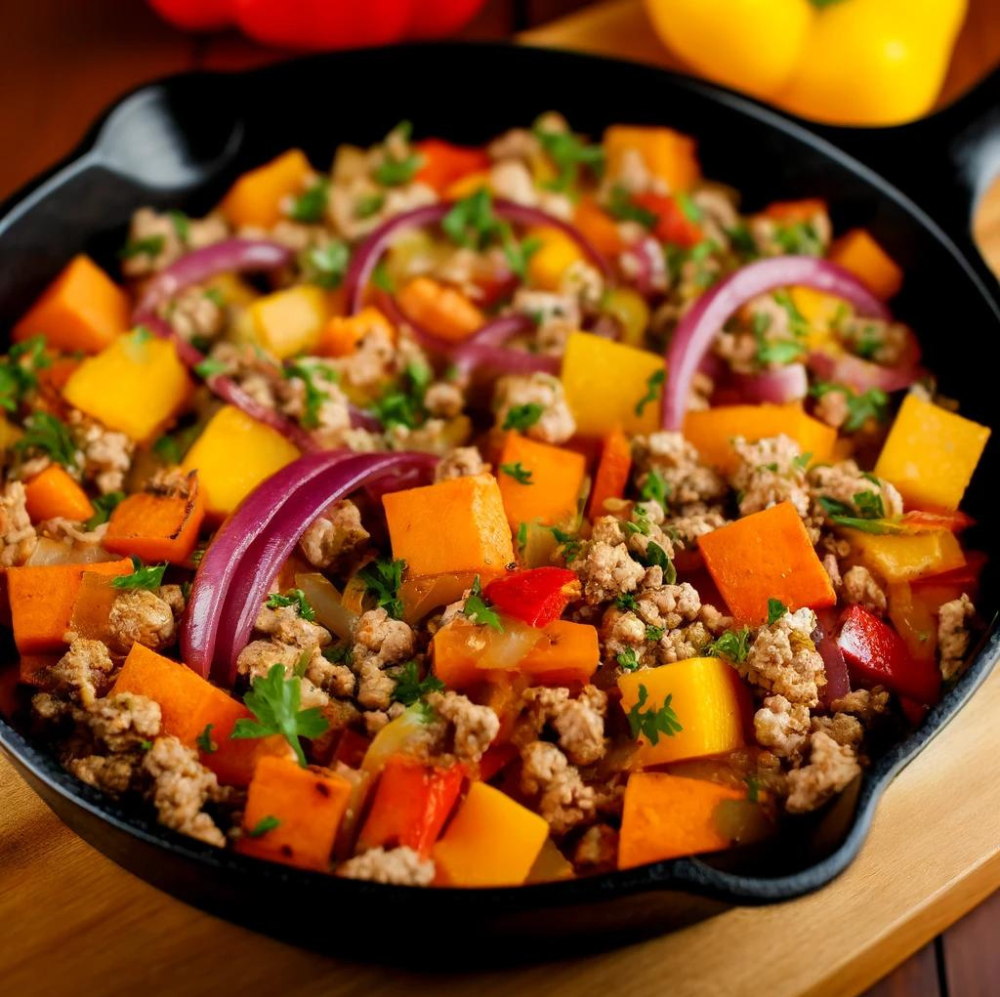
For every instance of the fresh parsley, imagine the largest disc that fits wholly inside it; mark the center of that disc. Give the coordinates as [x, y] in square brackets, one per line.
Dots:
[103, 505]
[151, 246]
[393, 172]
[522, 417]
[869, 505]
[368, 205]
[518, 472]
[315, 396]
[655, 488]
[689, 209]
[337, 654]
[626, 602]
[569, 542]
[402, 404]
[733, 645]
[209, 367]
[569, 153]
[522, 536]
[656, 556]
[310, 206]
[265, 824]
[801, 462]
[48, 434]
[799, 238]
[627, 659]
[18, 371]
[622, 207]
[654, 633]
[181, 224]
[879, 527]
[410, 687]
[205, 742]
[775, 610]
[142, 577]
[274, 701]
[325, 265]
[382, 579]
[653, 722]
[872, 404]
[382, 279]
[295, 598]
[477, 610]
[653, 387]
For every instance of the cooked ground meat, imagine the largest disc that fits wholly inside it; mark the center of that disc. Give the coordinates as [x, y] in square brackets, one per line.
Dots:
[472, 728]
[334, 536]
[782, 727]
[768, 472]
[379, 641]
[953, 634]
[677, 462]
[554, 422]
[463, 462]
[16, 532]
[139, 616]
[578, 723]
[563, 799]
[83, 672]
[783, 659]
[861, 589]
[830, 768]
[399, 866]
[181, 787]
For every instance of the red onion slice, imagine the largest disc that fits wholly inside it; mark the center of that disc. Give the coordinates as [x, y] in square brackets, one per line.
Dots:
[838, 683]
[697, 330]
[784, 384]
[230, 255]
[861, 375]
[262, 559]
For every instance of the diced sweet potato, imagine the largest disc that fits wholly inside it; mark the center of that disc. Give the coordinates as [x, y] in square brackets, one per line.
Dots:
[539, 482]
[858, 252]
[255, 198]
[53, 493]
[290, 321]
[443, 310]
[667, 154]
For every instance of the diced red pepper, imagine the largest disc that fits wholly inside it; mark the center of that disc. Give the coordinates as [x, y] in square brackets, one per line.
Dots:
[914, 712]
[934, 590]
[496, 758]
[411, 805]
[877, 655]
[537, 596]
[672, 224]
[919, 521]
[351, 748]
[445, 163]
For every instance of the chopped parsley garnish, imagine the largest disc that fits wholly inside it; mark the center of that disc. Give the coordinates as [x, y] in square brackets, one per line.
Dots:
[337, 654]
[382, 579]
[103, 505]
[799, 238]
[295, 598]
[689, 209]
[151, 246]
[368, 205]
[392, 172]
[382, 279]
[197, 554]
[274, 701]
[310, 206]
[172, 448]
[143, 576]
[653, 722]
[834, 507]
[518, 254]
[403, 403]
[265, 824]
[570, 542]
[569, 153]
[215, 295]
[209, 367]
[18, 371]
[870, 404]
[325, 265]
[314, 396]
[879, 527]
[869, 505]
[733, 644]
[653, 386]
[47, 433]
[654, 633]
[626, 602]
[801, 462]
[518, 472]
[869, 342]
[181, 224]
[522, 536]
[477, 610]
[656, 556]
[205, 741]
[410, 687]
[775, 610]
[471, 223]
[742, 241]
[522, 417]
[776, 351]
[796, 320]
[655, 488]
[622, 207]
[640, 522]
[627, 659]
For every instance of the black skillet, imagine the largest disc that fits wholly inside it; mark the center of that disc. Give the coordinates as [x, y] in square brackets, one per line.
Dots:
[181, 142]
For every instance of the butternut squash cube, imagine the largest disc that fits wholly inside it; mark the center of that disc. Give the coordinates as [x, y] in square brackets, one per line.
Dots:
[606, 385]
[137, 385]
[667, 816]
[452, 526]
[491, 841]
[233, 455]
[668, 155]
[712, 431]
[255, 198]
[708, 699]
[567, 653]
[291, 321]
[539, 482]
[819, 310]
[907, 556]
[342, 333]
[858, 252]
[82, 309]
[556, 254]
[930, 454]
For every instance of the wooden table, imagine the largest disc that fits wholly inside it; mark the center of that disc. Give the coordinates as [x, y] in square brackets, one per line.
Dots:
[75, 923]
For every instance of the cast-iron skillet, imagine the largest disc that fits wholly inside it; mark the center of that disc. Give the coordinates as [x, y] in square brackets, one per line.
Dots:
[179, 143]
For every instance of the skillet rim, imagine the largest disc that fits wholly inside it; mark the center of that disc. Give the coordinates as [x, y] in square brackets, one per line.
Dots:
[689, 875]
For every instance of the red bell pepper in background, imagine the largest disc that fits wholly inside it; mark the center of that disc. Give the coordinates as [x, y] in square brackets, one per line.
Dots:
[322, 24]
[536, 597]
[877, 655]
[445, 163]
[672, 224]
[411, 804]
[919, 521]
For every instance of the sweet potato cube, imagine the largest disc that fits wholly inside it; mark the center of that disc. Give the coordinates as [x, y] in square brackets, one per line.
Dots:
[82, 309]
[667, 816]
[305, 807]
[42, 598]
[567, 653]
[452, 526]
[858, 252]
[54, 493]
[255, 198]
[712, 430]
[709, 701]
[233, 455]
[931, 454]
[607, 385]
[342, 333]
[767, 555]
[613, 468]
[491, 841]
[668, 155]
[136, 385]
[553, 479]
[441, 309]
[290, 321]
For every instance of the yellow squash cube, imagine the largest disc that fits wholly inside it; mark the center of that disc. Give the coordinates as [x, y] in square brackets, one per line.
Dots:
[930, 454]
[556, 254]
[906, 556]
[608, 384]
[135, 386]
[709, 702]
[289, 322]
[233, 455]
[491, 841]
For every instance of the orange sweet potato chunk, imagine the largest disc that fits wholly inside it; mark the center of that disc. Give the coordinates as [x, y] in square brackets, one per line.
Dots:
[549, 496]
[54, 493]
[452, 526]
[255, 198]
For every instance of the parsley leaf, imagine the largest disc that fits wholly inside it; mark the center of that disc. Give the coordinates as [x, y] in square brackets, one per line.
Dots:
[471, 222]
[294, 597]
[626, 602]
[181, 224]
[410, 687]
[368, 205]
[382, 579]
[393, 172]
[657, 556]
[337, 654]
[209, 367]
[142, 577]
[622, 207]
[274, 701]
[654, 633]
[518, 472]
[652, 723]
[569, 542]
[775, 610]
[265, 824]
[653, 386]
[834, 507]
[477, 610]
[655, 488]
[870, 404]
[733, 644]
[627, 659]
[518, 254]
[103, 505]
[879, 527]
[799, 238]
[801, 462]
[151, 246]
[569, 153]
[325, 265]
[310, 206]
[18, 371]
[869, 505]
[522, 536]
[522, 417]
[47, 433]
[205, 741]
[382, 279]
[314, 396]
[689, 209]
[403, 403]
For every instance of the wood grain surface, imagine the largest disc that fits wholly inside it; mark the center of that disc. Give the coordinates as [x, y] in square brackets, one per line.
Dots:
[74, 923]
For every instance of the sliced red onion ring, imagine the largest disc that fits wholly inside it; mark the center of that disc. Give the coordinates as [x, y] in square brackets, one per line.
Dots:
[262, 559]
[367, 255]
[222, 560]
[838, 683]
[230, 255]
[784, 384]
[697, 330]
[861, 375]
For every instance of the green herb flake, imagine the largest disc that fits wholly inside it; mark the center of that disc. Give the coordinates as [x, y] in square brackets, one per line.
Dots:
[410, 687]
[181, 224]
[775, 610]
[205, 742]
[325, 265]
[315, 396]
[656, 556]
[522, 417]
[402, 404]
[655, 488]
[623, 208]
[209, 367]
[518, 472]
[654, 633]
[265, 824]
[522, 536]
[295, 598]
[569, 154]
[103, 505]
[653, 722]
[627, 659]
[801, 462]
[382, 579]
[733, 645]
[626, 602]
[689, 209]
[310, 206]
[151, 246]
[477, 610]
[142, 577]
[653, 387]
[393, 172]
[18, 371]
[753, 788]
[46, 433]
[869, 505]
[368, 205]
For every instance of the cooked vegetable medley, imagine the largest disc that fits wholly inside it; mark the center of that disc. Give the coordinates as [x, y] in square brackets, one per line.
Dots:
[360, 525]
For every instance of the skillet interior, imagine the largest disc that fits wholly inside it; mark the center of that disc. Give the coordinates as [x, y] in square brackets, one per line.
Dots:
[180, 143]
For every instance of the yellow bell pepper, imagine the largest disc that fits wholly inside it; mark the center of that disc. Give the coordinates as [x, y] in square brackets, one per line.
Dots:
[852, 62]
[930, 454]
[291, 321]
[904, 557]
[256, 197]
[136, 385]
[556, 253]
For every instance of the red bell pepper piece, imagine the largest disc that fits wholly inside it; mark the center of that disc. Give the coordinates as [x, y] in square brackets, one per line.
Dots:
[496, 758]
[537, 596]
[919, 521]
[445, 163]
[411, 805]
[877, 655]
[672, 224]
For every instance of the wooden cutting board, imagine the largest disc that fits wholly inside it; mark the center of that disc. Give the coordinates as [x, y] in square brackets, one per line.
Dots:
[74, 922]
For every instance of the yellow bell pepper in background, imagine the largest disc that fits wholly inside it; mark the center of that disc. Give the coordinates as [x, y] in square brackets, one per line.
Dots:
[857, 62]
